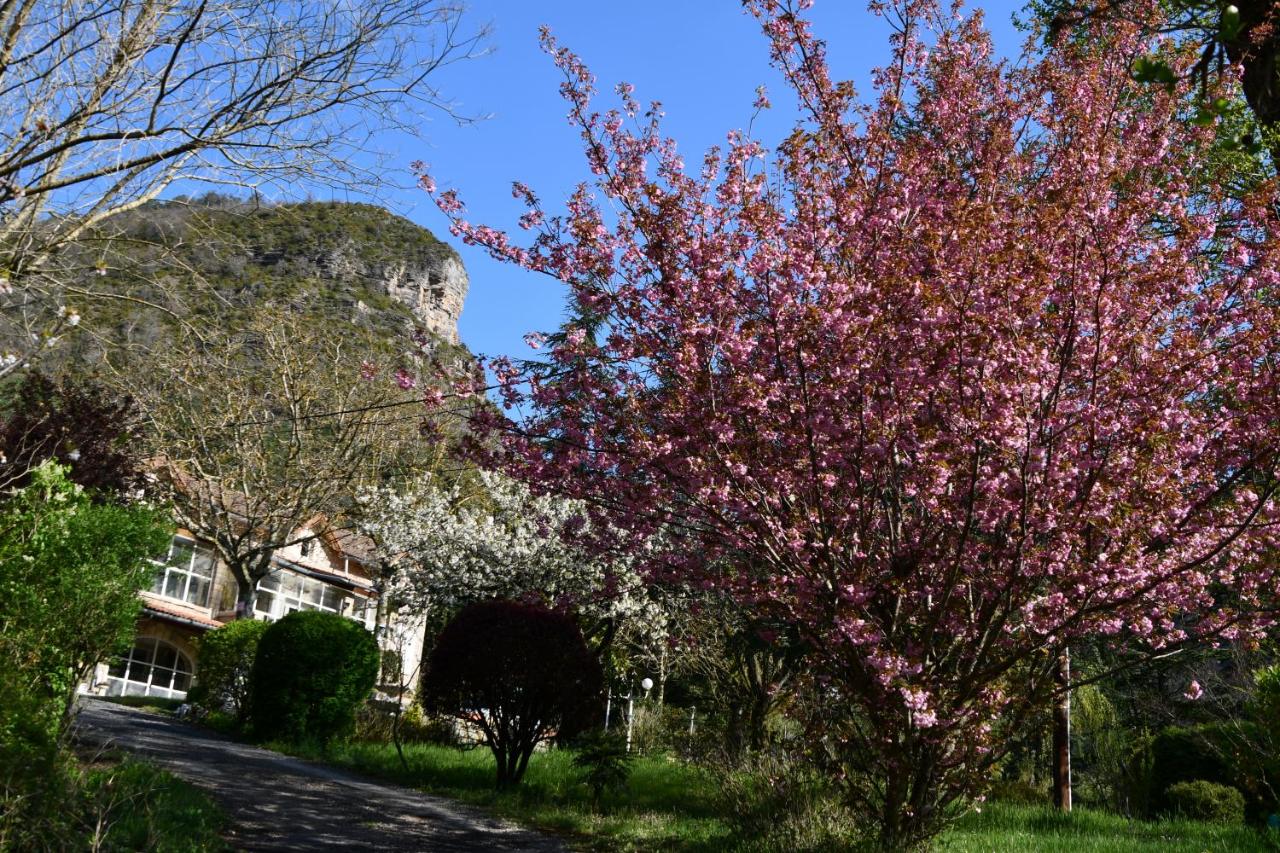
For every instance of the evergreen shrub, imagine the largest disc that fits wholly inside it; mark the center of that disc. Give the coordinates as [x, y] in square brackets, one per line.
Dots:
[1186, 754]
[312, 672]
[1206, 801]
[226, 662]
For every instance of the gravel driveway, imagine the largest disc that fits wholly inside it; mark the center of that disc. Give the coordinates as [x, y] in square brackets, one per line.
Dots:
[281, 803]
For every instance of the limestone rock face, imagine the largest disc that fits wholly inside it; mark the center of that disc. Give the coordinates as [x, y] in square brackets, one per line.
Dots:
[434, 293]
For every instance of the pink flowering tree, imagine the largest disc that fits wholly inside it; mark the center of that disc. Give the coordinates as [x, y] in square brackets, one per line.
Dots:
[946, 380]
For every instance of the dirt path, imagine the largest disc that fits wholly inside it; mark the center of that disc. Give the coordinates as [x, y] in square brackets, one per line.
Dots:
[281, 803]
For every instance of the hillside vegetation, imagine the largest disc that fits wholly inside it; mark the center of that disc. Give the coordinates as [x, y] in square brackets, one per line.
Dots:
[212, 260]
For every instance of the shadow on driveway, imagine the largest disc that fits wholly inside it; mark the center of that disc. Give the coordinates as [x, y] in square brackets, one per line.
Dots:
[280, 803]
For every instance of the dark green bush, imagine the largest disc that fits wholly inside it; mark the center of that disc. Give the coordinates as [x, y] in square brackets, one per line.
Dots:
[1185, 754]
[313, 670]
[226, 662]
[1205, 801]
[1225, 753]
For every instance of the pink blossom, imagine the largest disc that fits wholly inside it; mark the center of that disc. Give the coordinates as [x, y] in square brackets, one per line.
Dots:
[936, 385]
[405, 379]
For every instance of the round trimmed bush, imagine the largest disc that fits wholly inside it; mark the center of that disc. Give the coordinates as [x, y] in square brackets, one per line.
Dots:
[1206, 801]
[313, 671]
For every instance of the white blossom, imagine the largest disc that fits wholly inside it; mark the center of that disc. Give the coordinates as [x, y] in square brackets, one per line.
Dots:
[451, 547]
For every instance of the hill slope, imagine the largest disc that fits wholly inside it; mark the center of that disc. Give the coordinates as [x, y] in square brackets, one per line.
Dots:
[211, 260]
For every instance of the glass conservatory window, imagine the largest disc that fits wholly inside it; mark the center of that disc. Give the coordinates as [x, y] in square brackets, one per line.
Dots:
[187, 573]
[151, 668]
[281, 593]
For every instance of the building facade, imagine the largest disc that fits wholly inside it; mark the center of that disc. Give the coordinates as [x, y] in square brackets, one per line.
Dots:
[194, 592]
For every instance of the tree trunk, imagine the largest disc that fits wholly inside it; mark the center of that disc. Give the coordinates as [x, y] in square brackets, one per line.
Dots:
[1062, 733]
[245, 594]
[662, 678]
[909, 813]
[522, 763]
[758, 722]
[735, 739]
[504, 758]
[396, 733]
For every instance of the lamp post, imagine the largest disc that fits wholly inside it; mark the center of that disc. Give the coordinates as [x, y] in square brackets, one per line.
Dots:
[647, 684]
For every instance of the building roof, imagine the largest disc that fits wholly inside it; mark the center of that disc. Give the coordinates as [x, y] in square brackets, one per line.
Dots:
[177, 612]
[357, 546]
[350, 579]
[342, 540]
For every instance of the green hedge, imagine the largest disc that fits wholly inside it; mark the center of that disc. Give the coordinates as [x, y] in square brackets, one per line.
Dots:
[313, 671]
[1206, 801]
[1224, 753]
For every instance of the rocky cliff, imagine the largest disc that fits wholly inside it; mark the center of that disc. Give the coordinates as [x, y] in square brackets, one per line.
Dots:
[206, 259]
[433, 293]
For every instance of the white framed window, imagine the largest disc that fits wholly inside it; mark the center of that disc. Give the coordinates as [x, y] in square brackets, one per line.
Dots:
[281, 593]
[151, 668]
[187, 573]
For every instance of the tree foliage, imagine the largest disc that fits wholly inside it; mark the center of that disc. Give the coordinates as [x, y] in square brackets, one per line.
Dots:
[258, 428]
[963, 372]
[80, 424]
[743, 671]
[70, 572]
[1233, 40]
[519, 672]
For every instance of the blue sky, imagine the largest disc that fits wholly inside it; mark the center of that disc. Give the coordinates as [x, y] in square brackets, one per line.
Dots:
[701, 58]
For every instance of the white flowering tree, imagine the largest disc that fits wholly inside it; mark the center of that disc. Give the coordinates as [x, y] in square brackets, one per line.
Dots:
[452, 544]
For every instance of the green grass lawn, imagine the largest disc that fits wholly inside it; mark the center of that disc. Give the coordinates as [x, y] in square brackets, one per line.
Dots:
[667, 805]
[670, 805]
[999, 827]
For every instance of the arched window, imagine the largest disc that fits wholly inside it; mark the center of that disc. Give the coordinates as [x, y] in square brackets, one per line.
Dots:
[151, 668]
